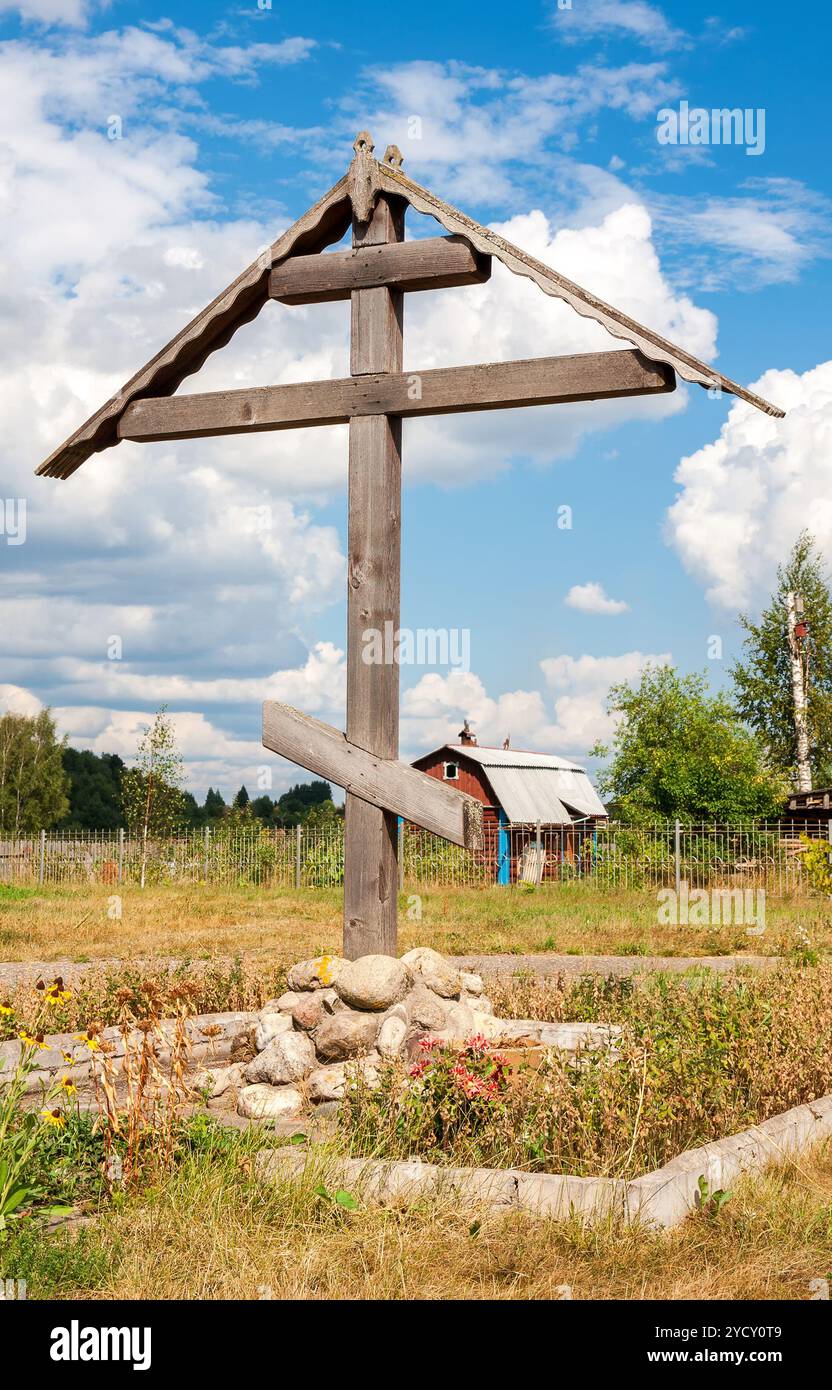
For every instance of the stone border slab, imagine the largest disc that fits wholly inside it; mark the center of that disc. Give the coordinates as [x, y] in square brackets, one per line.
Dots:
[660, 1199]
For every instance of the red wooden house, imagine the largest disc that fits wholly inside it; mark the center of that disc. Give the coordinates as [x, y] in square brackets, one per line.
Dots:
[540, 810]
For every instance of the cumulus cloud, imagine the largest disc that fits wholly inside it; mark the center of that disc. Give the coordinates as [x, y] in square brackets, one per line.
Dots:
[67, 12]
[622, 19]
[593, 598]
[572, 719]
[746, 496]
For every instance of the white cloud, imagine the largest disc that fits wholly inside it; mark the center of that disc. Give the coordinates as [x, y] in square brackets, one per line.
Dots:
[15, 700]
[621, 19]
[68, 12]
[746, 496]
[593, 598]
[575, 718]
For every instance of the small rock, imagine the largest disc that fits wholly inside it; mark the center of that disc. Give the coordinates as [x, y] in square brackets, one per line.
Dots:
[269, 1027]
[284, 1004]
[425, 1008]
[327, 1083]
[312, 1008]
[269, 1102]
[460, 1021]
[391, 1035]
[319, 973]
[345, 1034]
[217, 1080]
[373, 982]
[289, 1058]
[471, 983]
[435, 971]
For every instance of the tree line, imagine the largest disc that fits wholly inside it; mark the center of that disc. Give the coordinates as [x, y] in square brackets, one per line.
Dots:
[45, 784]
[678, 749]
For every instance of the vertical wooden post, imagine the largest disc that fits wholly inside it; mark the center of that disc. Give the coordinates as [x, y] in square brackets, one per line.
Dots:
[374, 551]
[677, 857]
[42, 866]
[297, 855]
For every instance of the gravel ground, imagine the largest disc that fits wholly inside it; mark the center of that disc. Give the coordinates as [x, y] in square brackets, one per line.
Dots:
[16, 972]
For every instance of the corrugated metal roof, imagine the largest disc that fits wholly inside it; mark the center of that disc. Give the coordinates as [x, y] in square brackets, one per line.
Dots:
[533, 787]
[511, 757]
[528, 795]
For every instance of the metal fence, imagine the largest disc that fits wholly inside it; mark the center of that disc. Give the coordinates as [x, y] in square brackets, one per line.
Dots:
[762, 854]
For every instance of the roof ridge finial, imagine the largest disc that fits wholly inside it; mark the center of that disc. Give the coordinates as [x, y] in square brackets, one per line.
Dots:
[363, 177]
[393, 156]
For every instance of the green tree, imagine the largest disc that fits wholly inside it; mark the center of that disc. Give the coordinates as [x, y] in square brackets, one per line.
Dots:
[242, 798]
[679, 751]
[153, 799]
[762, 677]
[297, 801]
[94, 790]
[33, 783]
[264, 808]
[215, 807]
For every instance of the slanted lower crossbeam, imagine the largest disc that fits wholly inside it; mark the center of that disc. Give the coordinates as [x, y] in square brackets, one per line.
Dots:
[586, 376]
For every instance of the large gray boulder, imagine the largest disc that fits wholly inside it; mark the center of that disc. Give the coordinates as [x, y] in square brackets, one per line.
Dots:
[290, 1057]
[373, 982]
[345, 1034]
[435, 971]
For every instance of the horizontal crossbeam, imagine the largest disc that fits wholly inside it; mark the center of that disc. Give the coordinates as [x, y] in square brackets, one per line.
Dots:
[433, 264]
[442, 391]
[383, 782]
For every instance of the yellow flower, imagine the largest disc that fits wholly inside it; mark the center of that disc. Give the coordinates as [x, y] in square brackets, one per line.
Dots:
[68, 1058]
[32, 1041]
[56, 1118]
[68, 1085]
[6, 1009]
[57, 992]
[90, 1041]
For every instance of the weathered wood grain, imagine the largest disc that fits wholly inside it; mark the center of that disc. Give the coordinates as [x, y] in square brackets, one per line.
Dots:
[440, 391]
[433, 264]
[380, 783]
[373, 581]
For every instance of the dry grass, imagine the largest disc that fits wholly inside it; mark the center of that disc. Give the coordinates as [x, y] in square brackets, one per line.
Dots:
[281, 925]
[211, 1232]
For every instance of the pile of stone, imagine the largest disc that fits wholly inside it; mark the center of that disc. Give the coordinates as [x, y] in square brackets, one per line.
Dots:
[339, 1018]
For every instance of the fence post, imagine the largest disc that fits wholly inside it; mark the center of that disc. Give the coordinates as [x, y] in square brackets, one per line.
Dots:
[120, 853]
[678, 856]
[297, 856]
[207, 849]
[42, 866]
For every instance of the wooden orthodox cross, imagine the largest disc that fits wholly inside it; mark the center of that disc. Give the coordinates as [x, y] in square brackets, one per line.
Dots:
[375, 275]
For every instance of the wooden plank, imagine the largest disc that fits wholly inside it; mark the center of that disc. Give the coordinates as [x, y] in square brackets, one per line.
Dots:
[380, 783]
[373, 582]
[433, 264]
[586, 376]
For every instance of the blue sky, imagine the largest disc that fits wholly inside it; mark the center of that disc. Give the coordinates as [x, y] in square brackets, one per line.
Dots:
[232, 119]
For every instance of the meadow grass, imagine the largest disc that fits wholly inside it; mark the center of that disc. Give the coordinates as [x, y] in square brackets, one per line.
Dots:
[282, 925]
[210, 1230]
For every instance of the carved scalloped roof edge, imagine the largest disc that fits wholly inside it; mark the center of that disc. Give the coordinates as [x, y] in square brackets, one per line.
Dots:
[323, 224]
[391, 179]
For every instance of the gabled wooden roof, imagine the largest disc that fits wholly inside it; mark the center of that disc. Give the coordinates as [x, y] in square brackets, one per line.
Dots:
[321, 226]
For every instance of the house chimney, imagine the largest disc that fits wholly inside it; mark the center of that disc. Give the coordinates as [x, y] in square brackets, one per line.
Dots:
[465, 735]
